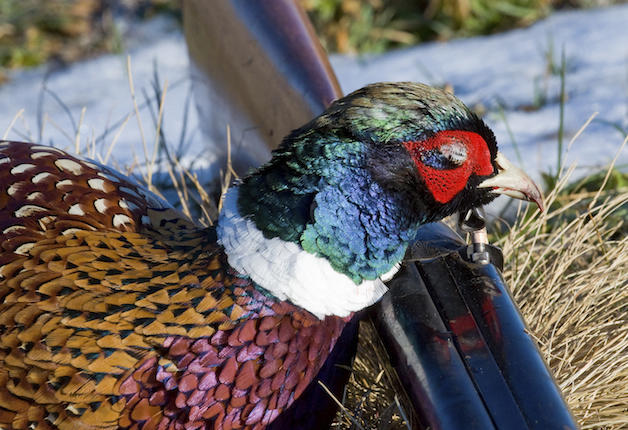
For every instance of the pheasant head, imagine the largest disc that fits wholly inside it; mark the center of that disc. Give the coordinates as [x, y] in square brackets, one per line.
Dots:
[334, 210]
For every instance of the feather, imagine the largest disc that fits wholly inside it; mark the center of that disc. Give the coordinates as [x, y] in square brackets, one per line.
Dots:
[126, 310]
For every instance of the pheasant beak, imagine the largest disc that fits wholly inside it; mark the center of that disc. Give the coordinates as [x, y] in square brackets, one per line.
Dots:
[512, 181]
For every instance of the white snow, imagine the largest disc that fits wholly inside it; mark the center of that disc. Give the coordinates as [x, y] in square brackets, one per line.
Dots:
[507, 69]
[101, 87]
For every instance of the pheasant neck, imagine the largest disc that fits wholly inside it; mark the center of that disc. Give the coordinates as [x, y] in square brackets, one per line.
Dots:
[287, 271]
[323, 198]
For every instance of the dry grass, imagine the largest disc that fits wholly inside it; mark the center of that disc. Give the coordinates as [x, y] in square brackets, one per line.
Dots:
[569, 276]
[374, 397]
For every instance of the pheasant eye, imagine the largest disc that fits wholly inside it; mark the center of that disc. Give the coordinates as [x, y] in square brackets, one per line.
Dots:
[445, 157]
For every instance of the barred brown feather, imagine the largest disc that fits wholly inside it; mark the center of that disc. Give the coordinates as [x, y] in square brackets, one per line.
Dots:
[117, 312]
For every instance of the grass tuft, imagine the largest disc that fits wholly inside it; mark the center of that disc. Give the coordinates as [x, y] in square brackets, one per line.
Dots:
[374, 397]
[568, 271]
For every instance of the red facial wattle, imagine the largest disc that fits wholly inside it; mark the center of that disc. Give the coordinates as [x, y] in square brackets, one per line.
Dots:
[444, 184]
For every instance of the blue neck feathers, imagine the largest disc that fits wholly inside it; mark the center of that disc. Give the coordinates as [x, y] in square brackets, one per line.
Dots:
[323, 197]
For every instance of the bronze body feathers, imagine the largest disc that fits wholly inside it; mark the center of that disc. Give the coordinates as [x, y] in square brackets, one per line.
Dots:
[119, 313]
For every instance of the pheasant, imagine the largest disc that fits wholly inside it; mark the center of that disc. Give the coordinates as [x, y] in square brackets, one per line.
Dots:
[118, 312]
